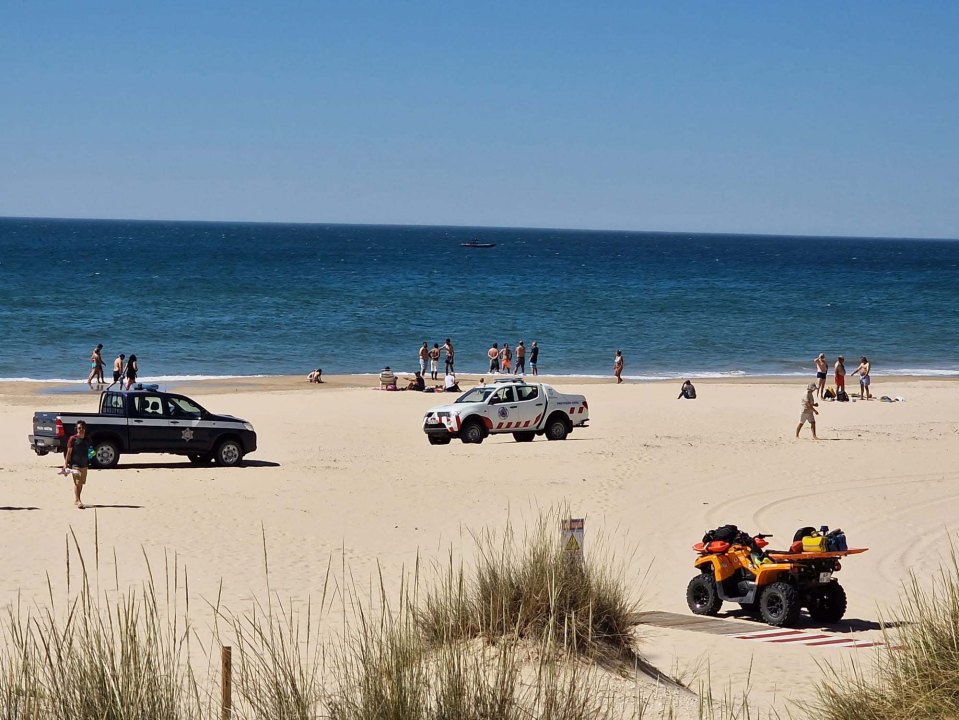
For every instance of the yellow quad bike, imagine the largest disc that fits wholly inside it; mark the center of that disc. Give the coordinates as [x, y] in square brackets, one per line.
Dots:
[775, 584]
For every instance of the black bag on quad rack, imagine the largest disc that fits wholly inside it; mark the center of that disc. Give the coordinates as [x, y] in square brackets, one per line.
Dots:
[726, 533]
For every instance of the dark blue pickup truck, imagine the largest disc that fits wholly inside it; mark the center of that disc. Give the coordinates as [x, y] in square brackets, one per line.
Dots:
[145, 420]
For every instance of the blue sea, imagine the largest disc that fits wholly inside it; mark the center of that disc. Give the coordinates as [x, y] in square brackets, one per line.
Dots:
[206, 299]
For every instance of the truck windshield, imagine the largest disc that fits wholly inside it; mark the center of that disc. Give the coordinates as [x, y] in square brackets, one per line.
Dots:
[476, 395]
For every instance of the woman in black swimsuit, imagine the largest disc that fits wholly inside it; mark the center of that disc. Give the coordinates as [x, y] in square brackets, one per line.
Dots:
[132, 369]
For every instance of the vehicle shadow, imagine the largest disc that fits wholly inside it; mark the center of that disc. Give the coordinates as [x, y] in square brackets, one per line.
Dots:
[11, 507]
[188, 464]
[848, 625]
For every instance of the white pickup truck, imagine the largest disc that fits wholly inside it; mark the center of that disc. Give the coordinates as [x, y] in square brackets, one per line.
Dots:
[507, 406]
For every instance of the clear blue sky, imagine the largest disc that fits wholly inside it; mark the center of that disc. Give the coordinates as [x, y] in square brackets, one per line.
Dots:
[796, 118]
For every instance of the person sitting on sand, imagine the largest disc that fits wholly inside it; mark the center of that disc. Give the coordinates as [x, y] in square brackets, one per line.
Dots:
[417, 383]
[687, 391]
[387, 379]
[809, 411]
[315, 376]
[450, 384]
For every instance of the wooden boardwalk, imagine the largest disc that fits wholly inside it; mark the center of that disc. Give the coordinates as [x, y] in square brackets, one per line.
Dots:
[750, 630]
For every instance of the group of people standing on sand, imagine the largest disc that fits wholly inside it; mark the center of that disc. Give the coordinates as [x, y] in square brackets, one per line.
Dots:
[430, 357]
[501, 359]
[839, 375]
[818, 389]
[123, 370]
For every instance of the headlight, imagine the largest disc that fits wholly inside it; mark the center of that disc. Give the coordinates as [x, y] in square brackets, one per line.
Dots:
[248, 426]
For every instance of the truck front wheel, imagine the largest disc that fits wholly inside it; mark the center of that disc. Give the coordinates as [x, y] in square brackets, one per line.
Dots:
[228, 453]
[472, 432]
[439, 439]
[106, 454]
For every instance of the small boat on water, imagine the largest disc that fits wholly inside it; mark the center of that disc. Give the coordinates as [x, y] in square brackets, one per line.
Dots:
[474, 243]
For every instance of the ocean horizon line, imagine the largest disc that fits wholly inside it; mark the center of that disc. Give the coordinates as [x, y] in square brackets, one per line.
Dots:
[547, 228]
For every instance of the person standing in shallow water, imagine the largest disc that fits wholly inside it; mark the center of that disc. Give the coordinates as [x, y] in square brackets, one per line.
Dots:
[520, 358]
[96, 366]
[118, 367]
[618, 366]
[534, 357]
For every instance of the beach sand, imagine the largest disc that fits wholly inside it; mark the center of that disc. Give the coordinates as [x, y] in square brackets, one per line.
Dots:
[344, 476]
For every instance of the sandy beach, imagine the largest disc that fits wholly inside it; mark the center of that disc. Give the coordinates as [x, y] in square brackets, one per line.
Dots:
[345, 476]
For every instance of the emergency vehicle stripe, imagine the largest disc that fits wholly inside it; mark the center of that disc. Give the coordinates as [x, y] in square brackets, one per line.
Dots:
[536, 421]
[499, 426]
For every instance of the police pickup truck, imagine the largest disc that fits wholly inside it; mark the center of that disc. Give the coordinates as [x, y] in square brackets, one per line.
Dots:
[145, 420]
[507, 406]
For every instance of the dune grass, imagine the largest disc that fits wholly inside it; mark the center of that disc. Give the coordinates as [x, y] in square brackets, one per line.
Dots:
[917, 670]
[530, 587]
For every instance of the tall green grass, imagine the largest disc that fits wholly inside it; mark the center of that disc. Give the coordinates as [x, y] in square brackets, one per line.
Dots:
[530, 587]
[917, 671]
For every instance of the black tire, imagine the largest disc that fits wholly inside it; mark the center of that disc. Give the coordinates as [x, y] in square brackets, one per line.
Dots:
[439, 439]
[524, 436]
[106, 454]
[827, 603]
[779, 605]
[200, 459]
[556, 428]
[472, 432]
[229, 453]
[702, 596]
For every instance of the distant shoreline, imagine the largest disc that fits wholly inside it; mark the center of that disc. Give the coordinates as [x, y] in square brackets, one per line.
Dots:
[279, 383]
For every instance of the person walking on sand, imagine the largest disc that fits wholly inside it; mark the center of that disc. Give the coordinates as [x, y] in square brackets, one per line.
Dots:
[434, 360]
[131, 372]
[864, 380]
[118, 367]
[448, 347]
[820, 374]
[506, 358]
[840, 374]
[809, 411]
[77, 459]
[96, 366]
[618, 366]
[493, 355]
[424, 356]
[521, 359]
[533, 357]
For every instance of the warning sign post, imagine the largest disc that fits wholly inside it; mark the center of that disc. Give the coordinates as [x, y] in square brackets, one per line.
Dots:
[572, 538]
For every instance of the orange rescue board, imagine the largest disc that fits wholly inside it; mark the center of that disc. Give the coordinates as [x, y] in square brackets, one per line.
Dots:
[791, 557]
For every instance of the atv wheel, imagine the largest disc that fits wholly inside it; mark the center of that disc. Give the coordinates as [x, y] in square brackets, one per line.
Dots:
[779, 605]
[701, 595]
[827, 604]
[439, 439]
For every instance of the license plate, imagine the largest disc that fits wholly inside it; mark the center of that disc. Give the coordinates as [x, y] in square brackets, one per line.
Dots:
[825, 577]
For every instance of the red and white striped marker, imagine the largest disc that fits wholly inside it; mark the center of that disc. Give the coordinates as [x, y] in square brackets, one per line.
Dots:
[798, 637]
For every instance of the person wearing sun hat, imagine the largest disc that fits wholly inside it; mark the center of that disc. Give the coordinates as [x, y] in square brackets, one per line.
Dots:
[809, 411]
